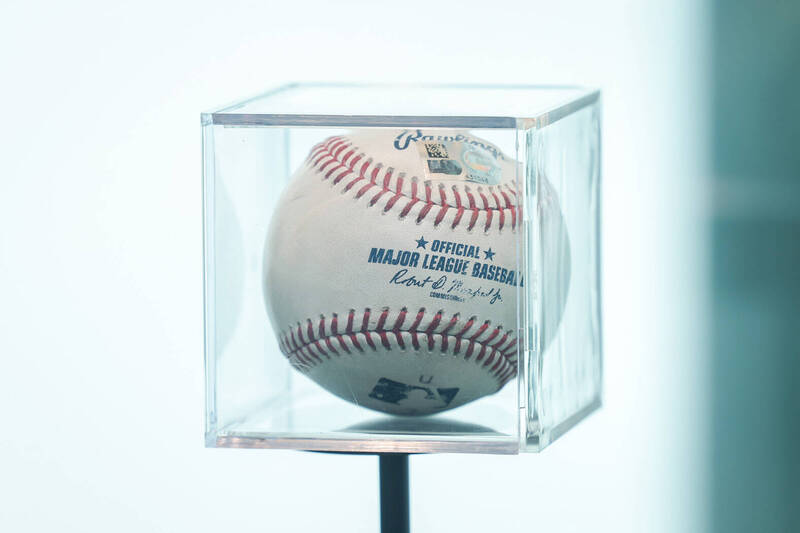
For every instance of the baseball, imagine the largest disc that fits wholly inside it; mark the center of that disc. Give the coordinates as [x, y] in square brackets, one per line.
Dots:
[391, 271]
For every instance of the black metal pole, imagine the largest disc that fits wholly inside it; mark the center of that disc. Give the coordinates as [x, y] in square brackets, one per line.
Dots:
[394, 492]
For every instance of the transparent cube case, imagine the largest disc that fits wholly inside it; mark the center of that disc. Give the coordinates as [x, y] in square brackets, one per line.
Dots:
[402, 268]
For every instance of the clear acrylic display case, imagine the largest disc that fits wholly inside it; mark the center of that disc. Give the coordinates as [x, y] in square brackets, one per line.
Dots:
[530, 156]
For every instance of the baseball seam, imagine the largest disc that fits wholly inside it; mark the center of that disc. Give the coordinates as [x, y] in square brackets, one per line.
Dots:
[338, 159]
[308, 345]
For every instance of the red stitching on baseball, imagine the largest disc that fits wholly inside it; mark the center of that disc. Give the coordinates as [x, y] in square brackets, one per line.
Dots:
[492, 336]
[474, 219]
[456, 220]
[325, 164]
[369, 340]
[481, 353]
[364, 189]
[453, 322]
[434, 323]
[400, 319]
[339, 150]
[321, 350]
[377, 197]
[355, 160]
[329, 344]
[391, 202]
[350, 185]
[382, 319]
[354, 340]
[364, 168]
[341, 153]
[469, 350]
[500, 342]
[365, 321]
[483, 197]
[480, 331]
[418, 319]
[408, 207]
[384, 340]
[341, 176]
[309, 352]
[458, 197]
[440, 216]
[424, 212]
[414, 340]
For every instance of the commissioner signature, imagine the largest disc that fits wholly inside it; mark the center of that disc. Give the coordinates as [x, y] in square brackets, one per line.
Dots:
[455, 288]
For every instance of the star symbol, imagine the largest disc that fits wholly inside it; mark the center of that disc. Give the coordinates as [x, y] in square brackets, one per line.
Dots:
[489, 254]
[421, 243]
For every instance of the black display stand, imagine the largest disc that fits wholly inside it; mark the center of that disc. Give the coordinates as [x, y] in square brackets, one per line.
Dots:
[394, 492]
[393, 481]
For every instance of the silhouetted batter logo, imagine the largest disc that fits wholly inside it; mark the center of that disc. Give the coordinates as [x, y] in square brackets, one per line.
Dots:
[390, 391]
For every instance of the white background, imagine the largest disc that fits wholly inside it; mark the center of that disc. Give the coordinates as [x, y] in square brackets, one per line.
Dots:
[100, 263]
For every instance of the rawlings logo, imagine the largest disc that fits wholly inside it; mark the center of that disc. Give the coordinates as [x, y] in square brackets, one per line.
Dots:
[404, 140]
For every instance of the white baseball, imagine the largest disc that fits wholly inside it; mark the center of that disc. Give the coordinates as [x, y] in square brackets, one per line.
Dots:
[391, 268]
